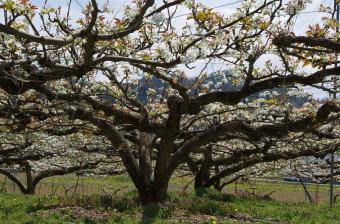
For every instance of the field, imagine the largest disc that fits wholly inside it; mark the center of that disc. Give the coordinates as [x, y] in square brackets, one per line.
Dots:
[113, 200]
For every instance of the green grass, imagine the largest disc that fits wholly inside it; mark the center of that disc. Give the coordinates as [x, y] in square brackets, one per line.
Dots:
[96, 206]
[209, 207]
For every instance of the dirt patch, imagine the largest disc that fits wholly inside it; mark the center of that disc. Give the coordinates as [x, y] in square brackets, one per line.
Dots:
[77, 212]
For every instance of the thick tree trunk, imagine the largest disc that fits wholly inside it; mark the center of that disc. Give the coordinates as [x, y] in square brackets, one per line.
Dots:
[153, 195]
[203, 174]
[217, 185]
[30, 186]
[29, 190]
[152, 188]
[155, 192]
[144, 156]
[199, 181]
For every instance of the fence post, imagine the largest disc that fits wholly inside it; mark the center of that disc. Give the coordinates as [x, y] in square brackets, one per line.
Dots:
[82, 185]
[236, 187]
[317, 193]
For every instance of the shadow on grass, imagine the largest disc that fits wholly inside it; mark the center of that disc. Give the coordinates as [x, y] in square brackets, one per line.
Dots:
[151, 213]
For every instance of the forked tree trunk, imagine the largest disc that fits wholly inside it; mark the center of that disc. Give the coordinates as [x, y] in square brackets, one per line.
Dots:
[30, 186]
[156, 190]
[153, 195]
[29, 190]
[152, 187]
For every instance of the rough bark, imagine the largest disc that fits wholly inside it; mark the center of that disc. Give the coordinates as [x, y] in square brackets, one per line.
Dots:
[204, 172]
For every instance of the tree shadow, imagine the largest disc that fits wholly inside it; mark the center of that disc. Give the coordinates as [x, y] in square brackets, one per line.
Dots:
[150, 213]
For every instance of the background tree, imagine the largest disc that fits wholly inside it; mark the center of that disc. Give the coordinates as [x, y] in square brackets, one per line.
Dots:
[238, 157]
[39, 156]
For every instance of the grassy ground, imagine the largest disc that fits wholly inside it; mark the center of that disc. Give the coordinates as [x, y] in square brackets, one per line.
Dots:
[286, 192]
[210, 207]
[113, 200]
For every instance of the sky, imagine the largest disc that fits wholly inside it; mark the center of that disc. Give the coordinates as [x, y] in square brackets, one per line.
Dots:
[309, 16]
[300, 26]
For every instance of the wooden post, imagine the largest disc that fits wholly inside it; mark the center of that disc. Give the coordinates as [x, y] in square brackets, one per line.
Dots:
[317, 193]
[311, 200]
[236, 187]
[82, 185]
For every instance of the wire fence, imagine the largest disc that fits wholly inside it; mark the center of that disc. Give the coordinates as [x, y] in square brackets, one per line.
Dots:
[287, 191]
[267, 188]
[65, 189]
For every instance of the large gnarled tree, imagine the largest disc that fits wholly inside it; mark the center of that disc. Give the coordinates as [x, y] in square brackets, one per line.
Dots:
[100, 70]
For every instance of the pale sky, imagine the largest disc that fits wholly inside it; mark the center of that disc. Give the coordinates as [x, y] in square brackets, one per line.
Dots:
[301, 24]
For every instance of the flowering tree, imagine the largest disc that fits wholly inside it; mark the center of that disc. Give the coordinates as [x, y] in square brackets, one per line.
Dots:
[94, 71]
[39, 156]
[238, 157]
[317, 169]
